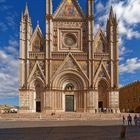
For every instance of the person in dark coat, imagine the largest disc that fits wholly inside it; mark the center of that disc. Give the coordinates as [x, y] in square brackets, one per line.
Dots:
[135, 120]
[129, 119]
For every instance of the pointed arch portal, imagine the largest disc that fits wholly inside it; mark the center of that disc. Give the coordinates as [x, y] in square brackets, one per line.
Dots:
[37, 86]
[103, 94]
[69, 87]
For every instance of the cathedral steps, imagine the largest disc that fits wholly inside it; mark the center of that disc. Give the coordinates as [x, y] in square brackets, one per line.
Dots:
[60, 116]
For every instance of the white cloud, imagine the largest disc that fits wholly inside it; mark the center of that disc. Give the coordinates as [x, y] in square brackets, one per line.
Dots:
[8, 72]
[99, 7]
[128, 20]
[12, 47]
[130, 66]
[127, 14]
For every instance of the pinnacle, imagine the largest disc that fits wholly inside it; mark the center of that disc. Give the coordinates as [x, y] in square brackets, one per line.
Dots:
[26, 12]
[111, 12]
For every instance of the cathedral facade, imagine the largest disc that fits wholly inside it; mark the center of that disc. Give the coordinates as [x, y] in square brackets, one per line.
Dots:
[69, 69]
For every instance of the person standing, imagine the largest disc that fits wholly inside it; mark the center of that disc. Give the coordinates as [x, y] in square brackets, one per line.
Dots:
[129, 119]
[123, 120]
[135, 120]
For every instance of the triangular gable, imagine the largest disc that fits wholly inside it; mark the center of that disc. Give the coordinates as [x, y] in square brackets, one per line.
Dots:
[102, 72]
[36, 71]
[37, 32]
[69, 9]
[100, 33]
[68, 64]
[100, 37]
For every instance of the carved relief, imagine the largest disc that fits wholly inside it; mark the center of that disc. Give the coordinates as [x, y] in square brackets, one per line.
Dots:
[107, 66]
[70, 24]
[42, 65]
[55, 66]
[102, 74]
[70, 64]
[96, 66]
[31, 65]
[70, 39]
[84, 66]
[38, 73]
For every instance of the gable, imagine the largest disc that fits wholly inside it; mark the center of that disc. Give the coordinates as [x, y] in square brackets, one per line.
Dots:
[69, 9]
[36, 72]
[69, 64]
[102, 72]
[37, 40]
[100, 42]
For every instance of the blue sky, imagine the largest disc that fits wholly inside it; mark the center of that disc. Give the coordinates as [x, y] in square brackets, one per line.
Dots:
[10, 10]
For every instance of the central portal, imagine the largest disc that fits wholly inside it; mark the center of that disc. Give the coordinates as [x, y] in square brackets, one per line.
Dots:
[69, 103]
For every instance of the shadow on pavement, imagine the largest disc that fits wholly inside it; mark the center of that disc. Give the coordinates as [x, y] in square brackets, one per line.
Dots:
[69, 133]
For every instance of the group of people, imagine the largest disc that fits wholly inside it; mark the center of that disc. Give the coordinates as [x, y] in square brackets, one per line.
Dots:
[136, 120]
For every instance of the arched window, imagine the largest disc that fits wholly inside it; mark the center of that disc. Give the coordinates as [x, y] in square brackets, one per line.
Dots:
[69, 86]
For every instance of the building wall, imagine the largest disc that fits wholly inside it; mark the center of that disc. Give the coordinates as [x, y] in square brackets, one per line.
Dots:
[129, 97]
[69, 53]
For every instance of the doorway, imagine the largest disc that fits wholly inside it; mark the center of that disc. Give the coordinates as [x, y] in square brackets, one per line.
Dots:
[69, 103]
[103, 94]
[100, 104]
[38, 106]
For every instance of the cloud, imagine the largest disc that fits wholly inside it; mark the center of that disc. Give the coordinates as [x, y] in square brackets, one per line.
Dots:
[128, 20]
[9, 18]
[12, 48]
[8, 72]
[99, 7]
[130, 66]
[9, 64]
[128, 17]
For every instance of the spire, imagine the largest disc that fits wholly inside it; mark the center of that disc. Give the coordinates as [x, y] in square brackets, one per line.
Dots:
[26, 12]
[111, 15]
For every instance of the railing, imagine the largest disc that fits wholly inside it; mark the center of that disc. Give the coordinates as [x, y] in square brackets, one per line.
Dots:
[77, 55]
[101, 55]
[62, 55]
[36, 55]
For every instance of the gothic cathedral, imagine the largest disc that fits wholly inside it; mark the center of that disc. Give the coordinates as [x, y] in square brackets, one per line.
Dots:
[69, 69]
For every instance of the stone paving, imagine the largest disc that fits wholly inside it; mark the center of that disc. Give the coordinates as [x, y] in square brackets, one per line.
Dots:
[65, 130]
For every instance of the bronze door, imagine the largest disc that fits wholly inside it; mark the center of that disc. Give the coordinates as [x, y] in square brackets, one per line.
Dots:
[38, 106]
[69, 103]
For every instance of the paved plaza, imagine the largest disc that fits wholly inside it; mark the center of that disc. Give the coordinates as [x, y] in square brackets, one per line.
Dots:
[66, 130]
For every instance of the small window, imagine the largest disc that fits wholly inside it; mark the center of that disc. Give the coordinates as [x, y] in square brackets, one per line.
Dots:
[69, 86]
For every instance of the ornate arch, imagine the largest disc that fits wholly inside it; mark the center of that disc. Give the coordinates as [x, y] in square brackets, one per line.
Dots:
[100, 79]
[69, 76]
[102, 85]
[31, 85]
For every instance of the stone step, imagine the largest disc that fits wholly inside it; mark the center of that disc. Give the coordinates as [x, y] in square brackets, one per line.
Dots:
[61, 116]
